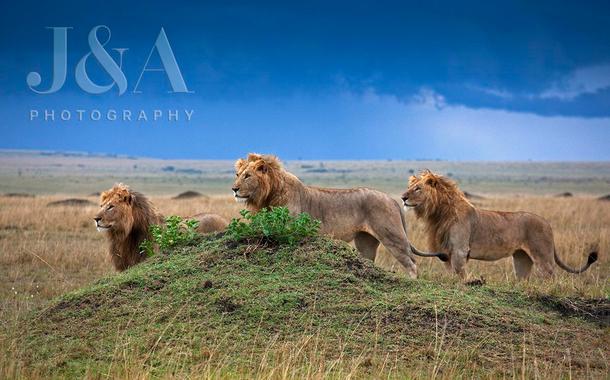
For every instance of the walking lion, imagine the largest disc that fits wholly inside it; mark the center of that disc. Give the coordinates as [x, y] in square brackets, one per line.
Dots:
[464, 232]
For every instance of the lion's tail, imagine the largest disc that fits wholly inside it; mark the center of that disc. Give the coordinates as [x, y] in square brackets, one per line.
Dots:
[415, 251]
[590, 260]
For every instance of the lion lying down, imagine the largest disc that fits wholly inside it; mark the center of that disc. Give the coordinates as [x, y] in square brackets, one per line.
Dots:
[465, 232]
[364, 215]
[126, 215]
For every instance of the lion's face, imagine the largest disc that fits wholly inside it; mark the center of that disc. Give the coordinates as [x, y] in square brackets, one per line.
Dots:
[414, 195]
[418, 192]
[251, 182]
[116, 214]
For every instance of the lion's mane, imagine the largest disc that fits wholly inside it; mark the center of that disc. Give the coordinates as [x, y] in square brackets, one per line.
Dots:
[124, 241]
[445, 205]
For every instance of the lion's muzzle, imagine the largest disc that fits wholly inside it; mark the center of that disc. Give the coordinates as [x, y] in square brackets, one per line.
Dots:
[238, 198]
[100, 228]
[405, 200]
[407, 205]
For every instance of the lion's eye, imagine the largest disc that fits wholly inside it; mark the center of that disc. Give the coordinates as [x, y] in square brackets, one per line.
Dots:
[417, 189]
[110, 207]
[246, 176]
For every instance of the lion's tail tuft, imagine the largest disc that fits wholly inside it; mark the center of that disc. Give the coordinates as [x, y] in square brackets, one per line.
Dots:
[593, 256]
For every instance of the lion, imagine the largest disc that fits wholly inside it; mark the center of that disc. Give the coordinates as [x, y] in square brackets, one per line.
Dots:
[366, 216]
[464, 232]
[125, 217]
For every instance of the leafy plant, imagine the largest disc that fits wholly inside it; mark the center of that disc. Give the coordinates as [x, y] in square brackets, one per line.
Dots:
[275, 224]
[175, 231]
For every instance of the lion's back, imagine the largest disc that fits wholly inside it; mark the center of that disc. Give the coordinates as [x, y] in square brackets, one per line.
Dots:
[210, 223]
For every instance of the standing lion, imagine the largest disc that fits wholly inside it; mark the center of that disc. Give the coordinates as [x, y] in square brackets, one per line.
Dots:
[366, 216]
[465, 232]
[126, 216]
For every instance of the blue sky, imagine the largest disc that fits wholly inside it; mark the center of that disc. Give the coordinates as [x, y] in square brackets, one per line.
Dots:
[347, 80]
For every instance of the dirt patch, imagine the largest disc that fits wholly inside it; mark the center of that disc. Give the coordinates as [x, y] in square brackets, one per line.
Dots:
[365, 270]
[207, 284]
[155, 285]
[227, 305]
[151, 285]
[591, 309]
[55, 312]
[566, 194]
[71, 202]
[414, 316]
[188, 195]
[604, 198]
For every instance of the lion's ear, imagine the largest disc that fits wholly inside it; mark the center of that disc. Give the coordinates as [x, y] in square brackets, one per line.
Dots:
[431, 180]
[412, 180]
[253, 157]
[239, 164]
[263, 167]
[129, 198]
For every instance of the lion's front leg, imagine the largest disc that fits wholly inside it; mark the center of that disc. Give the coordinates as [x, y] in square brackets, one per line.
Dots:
[459, 258]
[459, 249]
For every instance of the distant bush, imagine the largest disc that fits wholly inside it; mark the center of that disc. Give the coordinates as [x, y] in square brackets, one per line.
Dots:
[189, 171]
[175, 231]
[275, 224]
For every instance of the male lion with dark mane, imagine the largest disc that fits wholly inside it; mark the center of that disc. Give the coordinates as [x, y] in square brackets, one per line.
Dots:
[461, 230]
[126, 216]
[363, 215]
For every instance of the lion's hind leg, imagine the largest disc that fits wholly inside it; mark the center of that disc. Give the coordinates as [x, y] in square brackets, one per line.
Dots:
[541, 252]
[522, 264]
[367, 245]
[399, 247]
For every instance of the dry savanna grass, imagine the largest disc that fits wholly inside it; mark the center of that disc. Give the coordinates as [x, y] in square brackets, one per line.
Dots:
[48, 251]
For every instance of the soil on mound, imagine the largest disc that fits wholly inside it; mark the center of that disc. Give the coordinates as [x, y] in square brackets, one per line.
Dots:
[71, 202]
[188, 195]
[596, 309]
[239, 307]
[604, 198]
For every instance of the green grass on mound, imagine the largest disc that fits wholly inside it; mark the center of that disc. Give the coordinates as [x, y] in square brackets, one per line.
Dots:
[217, 308]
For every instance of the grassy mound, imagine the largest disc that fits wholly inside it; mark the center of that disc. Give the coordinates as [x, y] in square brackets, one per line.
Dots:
[218, 307]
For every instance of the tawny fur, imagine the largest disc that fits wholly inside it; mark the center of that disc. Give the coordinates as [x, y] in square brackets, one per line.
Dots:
[366, 216]
[126, 216]
[458, 228]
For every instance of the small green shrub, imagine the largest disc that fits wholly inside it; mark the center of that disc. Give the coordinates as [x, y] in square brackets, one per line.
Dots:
[175, 231]
[275, 224]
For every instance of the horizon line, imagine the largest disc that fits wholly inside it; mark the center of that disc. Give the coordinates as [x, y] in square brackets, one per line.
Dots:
[78, 153]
